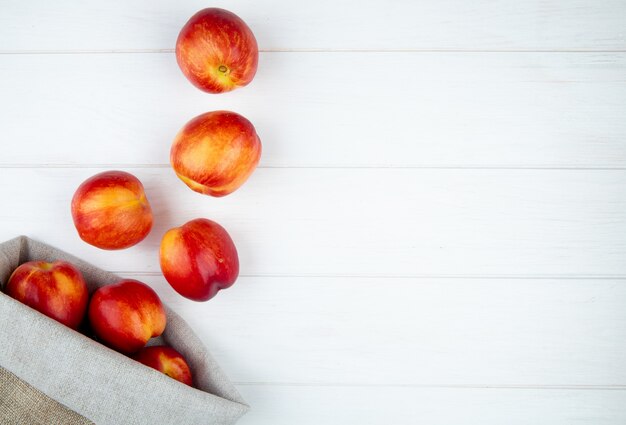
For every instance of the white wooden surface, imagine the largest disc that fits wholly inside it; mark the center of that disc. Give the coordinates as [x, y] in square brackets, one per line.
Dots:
[436, 231]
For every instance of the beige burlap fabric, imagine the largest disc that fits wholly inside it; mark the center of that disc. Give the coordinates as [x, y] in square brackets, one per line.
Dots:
[92, 380]
[21, 403]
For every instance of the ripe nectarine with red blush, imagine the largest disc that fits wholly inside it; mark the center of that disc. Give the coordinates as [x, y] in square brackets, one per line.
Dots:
[56, 289]
[198, 259]
[110, 210]
[217, 51]
[166, 360]
[125, 315]
[216, 152]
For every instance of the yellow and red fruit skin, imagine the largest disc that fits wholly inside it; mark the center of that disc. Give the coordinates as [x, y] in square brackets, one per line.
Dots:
[56, 289]
[217, 51]
[110, 210]
[198, 259]
[166, 360]
[125, 315]
[216, 152]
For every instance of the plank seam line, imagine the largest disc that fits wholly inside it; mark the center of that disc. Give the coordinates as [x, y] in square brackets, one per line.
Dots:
[416, 276]
[442, 386]
[309, 50]
[332, 167]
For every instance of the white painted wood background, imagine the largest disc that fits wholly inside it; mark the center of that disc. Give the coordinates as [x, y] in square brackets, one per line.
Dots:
[436, 233]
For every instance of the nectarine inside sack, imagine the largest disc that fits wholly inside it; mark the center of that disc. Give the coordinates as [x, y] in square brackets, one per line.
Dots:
[52, 374]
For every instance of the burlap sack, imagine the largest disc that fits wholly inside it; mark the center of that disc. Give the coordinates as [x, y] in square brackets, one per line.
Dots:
[50, 374]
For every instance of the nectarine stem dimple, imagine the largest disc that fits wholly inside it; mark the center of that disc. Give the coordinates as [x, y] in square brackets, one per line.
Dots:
[223, 69]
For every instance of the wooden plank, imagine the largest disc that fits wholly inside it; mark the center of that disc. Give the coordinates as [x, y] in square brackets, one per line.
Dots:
[327, 109]
[423, 332]
[363, 222]
[408, 406]
[324, 24]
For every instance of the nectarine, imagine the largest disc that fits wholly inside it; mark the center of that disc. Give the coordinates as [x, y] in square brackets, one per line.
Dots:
[216, 152]
[216, 51]
[125, 315]
[198, 259]
[57, 290]
[166, 360]
[111, 211]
